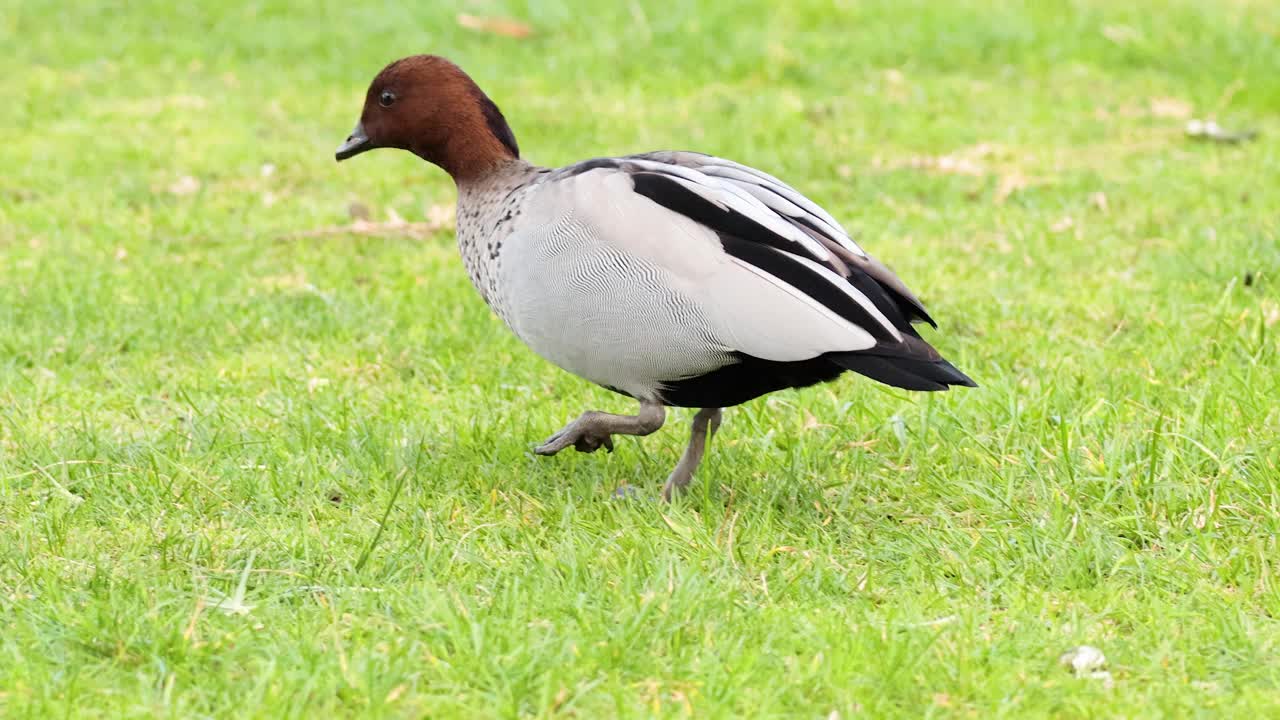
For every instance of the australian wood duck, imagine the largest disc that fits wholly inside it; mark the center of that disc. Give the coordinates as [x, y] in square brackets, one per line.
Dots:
[676, 278]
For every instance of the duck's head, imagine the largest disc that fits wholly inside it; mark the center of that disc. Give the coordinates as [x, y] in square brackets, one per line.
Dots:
[430, 107]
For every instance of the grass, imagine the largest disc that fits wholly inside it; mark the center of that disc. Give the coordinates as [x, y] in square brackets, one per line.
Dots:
[245, 473]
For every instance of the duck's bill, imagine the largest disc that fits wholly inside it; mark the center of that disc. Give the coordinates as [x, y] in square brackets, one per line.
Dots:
[356, 143]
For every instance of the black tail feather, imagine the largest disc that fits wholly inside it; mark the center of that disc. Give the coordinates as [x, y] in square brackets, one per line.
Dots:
[908, 373]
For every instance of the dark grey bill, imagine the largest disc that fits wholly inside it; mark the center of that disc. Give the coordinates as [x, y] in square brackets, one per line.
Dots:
[356, 143]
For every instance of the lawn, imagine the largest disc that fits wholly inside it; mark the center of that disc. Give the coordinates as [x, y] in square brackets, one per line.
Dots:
[258, 459]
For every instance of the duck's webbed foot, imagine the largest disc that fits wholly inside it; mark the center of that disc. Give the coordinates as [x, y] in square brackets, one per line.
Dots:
[594, 429]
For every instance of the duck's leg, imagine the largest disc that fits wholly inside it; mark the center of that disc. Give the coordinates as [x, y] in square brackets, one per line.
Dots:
[594, 430]
[705, 424]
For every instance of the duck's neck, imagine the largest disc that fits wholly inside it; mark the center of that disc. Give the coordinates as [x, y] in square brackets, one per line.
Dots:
[483, 198]
[489, 208]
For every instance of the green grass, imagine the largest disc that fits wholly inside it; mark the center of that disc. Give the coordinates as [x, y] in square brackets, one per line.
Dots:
[197, 404]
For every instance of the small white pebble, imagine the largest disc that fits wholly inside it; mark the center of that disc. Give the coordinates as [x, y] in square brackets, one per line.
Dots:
[185, 185]
[1084, 659]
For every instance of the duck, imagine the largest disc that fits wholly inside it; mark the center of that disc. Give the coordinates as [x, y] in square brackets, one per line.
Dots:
[676, 278]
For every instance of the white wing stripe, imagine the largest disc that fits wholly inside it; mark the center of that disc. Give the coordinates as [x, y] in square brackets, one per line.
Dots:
[854, 293]
[726, 168]
[670, 169]
[775, 201]
[753, 208]
[701, 191]
[724, 194]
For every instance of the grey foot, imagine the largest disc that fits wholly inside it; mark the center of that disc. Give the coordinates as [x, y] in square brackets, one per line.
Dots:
[594, 430]
[583, 436]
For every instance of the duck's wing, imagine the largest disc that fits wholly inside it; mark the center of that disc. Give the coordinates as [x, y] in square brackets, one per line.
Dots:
[777, 277]
[787, 204]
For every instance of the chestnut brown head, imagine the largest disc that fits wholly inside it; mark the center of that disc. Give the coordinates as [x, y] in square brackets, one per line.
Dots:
[430, 107]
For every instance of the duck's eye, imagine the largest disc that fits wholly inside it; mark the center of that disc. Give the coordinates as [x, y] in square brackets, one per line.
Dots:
[387, 99]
